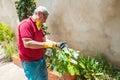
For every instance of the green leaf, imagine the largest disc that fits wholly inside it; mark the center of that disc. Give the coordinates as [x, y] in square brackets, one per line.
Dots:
[73, 61]
[71, 69]
[82, 65]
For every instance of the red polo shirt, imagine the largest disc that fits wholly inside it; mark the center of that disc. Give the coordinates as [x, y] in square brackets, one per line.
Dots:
[28, 29]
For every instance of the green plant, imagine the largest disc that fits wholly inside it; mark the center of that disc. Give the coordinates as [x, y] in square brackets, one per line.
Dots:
[64, 61]
[10, 49]
[7, 40]
[25, 8]
[5, 33]
[68, 61]
[45, 28]
[107, 67]
[89, 68]
[97, 68]
[117, 76]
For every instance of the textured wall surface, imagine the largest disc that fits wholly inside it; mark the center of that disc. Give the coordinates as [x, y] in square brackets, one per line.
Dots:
[8, 13]
[86, 25]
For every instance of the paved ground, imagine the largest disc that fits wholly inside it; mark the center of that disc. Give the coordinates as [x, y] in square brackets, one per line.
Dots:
[9, 71]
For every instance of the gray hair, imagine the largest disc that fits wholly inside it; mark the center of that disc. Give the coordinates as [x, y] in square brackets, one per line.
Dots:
[42, 9]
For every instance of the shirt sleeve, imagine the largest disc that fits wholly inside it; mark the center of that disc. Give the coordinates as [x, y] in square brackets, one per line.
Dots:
[25, 30]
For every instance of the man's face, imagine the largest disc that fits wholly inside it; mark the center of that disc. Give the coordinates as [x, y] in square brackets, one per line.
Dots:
[40, 18]
[45, 16]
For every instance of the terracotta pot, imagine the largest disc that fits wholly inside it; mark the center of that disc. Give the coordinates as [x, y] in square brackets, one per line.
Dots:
[69, 77]
[55, 76]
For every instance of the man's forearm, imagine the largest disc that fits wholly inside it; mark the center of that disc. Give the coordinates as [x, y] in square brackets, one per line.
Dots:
[29, 43]
[34, 44]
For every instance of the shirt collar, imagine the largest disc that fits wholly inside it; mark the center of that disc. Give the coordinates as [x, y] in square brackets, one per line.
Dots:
[32, 19]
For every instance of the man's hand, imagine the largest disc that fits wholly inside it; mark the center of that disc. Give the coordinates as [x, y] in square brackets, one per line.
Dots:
[61, 45]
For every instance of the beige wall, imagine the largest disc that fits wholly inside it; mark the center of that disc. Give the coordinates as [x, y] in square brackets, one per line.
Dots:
[86, 25]
[8, 13]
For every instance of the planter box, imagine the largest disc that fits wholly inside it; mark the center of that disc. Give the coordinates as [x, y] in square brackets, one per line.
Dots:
[51, 75]
[16, 60]
[54, 76]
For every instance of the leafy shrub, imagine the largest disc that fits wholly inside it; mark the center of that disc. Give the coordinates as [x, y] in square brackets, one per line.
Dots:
[7, 40]
[117, 76]
[25, 8]
[86, 68]
[10, 49]
[5, 33]
[97, 68]
[64, 61]
[89, 68]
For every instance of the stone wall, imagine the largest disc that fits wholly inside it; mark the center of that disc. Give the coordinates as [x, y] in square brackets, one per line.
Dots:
[86, 25]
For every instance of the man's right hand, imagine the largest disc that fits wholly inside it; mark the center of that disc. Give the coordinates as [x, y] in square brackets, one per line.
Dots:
[61, 45]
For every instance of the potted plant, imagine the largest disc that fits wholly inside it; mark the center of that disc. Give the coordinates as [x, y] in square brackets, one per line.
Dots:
[63, 63]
